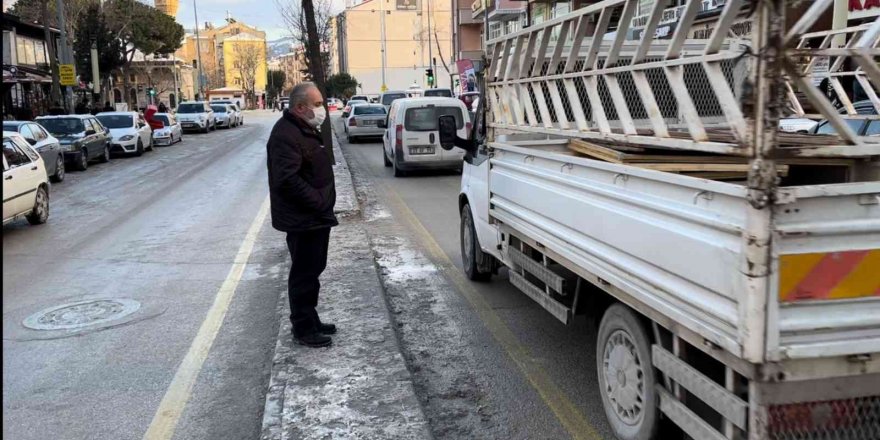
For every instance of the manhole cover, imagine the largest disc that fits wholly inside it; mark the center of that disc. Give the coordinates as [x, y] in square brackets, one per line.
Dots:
[81, 314]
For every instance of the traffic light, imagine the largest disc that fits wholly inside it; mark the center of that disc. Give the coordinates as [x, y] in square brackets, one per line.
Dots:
[151, 91]
[430, 74]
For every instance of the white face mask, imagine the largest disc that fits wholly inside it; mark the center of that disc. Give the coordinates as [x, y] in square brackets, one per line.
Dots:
[320, 115]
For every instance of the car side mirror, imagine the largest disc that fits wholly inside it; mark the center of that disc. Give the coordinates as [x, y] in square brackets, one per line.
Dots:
[382, 124]
[447, 128]
[90, 132]
[31, 141]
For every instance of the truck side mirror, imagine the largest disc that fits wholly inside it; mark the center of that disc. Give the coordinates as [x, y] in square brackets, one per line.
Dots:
[447, 128]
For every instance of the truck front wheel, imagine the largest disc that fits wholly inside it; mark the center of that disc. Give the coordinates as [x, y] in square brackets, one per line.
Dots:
[626, 375]
[471, 254]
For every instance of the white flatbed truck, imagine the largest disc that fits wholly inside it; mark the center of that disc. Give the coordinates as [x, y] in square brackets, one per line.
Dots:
[738, 310]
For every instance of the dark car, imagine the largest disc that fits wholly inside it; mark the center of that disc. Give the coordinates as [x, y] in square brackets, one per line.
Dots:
[82, 137]
[862, 127]
[45, 144]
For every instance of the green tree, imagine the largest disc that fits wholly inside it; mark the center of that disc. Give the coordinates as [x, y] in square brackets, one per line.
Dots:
[141, 29]
[275, 80]
[341, 85]
[93, 26]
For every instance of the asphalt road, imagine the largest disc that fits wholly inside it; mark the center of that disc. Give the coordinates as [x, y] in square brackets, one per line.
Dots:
[162, 230]
[520, 407]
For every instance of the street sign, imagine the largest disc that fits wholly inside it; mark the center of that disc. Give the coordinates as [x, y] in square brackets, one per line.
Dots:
[384, 88]
[67, 74]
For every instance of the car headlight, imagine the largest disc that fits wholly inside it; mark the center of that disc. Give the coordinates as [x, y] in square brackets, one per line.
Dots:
[73, 146]
[127, 137]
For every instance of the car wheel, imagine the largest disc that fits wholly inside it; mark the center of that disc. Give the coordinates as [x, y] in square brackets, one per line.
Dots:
[105, 157]
[626, 375]
[83, 159]
[140, 149]
[471, 254]
[206, 129]
[59, 169]
[385, 157]
[397, 171]
[40, 213]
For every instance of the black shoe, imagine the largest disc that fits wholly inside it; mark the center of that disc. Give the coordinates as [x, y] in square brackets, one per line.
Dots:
[327, 329]
[314, 340]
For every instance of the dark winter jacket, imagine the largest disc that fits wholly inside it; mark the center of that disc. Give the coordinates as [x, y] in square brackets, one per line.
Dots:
[302, 190]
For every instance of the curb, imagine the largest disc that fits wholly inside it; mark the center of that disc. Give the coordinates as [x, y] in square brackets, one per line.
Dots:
[346, 197]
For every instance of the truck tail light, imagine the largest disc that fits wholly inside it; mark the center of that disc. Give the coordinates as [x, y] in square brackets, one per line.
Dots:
[829, 275]
[398, 136]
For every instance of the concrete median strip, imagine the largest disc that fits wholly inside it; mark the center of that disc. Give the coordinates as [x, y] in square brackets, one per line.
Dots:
[360, 387]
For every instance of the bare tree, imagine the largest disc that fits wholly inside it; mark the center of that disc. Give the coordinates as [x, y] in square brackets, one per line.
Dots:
[292, 13]
[248, 58]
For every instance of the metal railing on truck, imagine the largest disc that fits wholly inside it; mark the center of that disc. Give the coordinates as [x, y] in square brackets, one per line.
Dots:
[571, 76]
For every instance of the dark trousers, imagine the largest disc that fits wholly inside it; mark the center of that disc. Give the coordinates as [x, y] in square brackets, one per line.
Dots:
[308, 254]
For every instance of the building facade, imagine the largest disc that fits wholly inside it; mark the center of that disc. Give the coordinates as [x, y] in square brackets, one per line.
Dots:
[411, 46]
[27, 78]
[170, 77]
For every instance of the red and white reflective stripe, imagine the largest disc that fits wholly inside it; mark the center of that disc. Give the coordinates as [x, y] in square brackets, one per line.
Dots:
[829, 275]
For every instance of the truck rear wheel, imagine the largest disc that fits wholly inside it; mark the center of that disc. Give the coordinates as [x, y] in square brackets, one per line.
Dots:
[626, 375]
[471, 254]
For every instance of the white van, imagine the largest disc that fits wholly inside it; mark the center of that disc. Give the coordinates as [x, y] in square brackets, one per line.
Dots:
[411, 140]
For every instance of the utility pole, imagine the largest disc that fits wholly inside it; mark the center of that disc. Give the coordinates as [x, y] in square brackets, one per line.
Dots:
[64, 53]
[430, 53]
[382, 40]
[198, 49]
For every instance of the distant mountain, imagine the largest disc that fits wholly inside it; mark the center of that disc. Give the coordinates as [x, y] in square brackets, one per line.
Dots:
[280, 46]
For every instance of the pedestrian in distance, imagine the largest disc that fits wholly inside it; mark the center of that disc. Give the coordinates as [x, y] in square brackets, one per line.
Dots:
[108, 107]
[302, 193]
[57, 110]
[162, 108]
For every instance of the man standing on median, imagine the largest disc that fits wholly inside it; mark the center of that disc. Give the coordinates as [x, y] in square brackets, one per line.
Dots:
[302, 193]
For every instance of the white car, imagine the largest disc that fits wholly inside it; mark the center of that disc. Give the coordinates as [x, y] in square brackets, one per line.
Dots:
[412, 140]
[225, 115]
[196, 115]
[363, 122]
[129, 133]
[235, 105]
[170, 133]
[45, 144]
[25, 183]
[797, 125]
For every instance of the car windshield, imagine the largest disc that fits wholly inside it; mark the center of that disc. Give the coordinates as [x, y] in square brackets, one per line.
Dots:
[63, 126]
[191, 108]
[827, 128]
[116, 121]
[10, 127]
[163, 119]
[219, 108]
[439, 92]
[369, 110]
[425, 118]
[389, 98]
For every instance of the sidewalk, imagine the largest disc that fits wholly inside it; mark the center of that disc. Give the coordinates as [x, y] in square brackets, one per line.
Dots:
[360, 387]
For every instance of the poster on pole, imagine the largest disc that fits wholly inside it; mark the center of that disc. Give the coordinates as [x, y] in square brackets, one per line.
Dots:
[67, 74]
[466, 76]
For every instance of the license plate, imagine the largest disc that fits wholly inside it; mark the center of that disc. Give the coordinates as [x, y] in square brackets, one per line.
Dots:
[365, 123]
[421, 149]
[189, 124]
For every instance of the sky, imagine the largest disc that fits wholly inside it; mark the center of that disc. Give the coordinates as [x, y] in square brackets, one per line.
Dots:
[262, 14]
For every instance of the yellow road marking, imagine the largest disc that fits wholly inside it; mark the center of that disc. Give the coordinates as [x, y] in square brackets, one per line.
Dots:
[574, 421]
[178, 393]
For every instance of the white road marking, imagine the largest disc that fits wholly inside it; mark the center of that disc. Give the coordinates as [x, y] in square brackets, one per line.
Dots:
[179, 391]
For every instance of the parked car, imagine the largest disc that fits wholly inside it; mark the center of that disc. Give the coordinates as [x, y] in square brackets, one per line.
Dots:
[411, 137]
[196, 115]
[129, 133]
[239, 114]
[364, 98]
[25, 184]
[170, 131]
[796, 125]
[389, 97]
[44, 143]
[364, 121]
[333, 104]
[347, 110]
[444, 93]
[225, 115]
[83, 138]
[862, 127]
